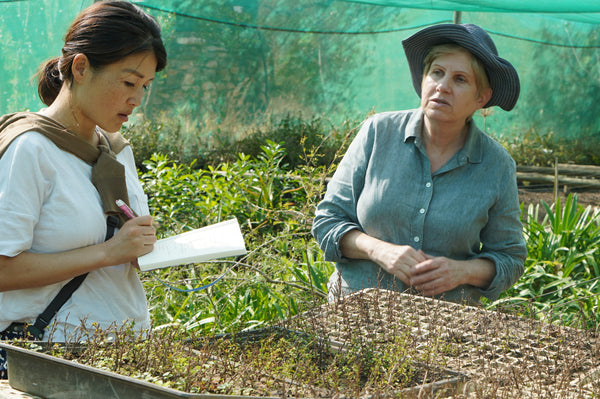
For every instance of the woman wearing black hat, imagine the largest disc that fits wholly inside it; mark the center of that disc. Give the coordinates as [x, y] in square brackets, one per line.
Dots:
[423, 200]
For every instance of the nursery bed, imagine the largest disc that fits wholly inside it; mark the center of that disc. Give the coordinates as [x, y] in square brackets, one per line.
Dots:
[37, 372]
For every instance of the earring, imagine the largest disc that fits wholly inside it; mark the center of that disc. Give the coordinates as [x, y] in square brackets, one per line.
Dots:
[72, 108]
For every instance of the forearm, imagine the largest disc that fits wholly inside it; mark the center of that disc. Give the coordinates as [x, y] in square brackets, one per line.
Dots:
[357, 245]
[30, 270]
[476, 272]
[394, 259]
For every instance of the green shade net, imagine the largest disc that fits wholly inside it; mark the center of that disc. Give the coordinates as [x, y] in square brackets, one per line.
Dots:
[236, 63]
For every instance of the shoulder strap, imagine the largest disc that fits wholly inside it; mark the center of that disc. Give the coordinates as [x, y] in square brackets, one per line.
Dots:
[43, 320]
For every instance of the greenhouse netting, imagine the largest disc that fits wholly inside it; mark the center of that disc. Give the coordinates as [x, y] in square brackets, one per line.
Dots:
[237, 62]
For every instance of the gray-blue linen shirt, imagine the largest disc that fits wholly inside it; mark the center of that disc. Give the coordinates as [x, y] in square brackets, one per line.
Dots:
[383, 186]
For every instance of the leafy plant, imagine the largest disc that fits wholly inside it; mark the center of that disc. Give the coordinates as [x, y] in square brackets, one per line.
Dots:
[562, 267]
[304, 141]
[283, 272]
[168, 136]
[536, 148]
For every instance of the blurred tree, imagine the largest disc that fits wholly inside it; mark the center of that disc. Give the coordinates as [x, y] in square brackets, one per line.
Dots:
[551, 103]
[234, 62]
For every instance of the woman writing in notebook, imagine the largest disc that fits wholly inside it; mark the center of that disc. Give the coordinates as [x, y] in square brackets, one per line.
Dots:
[61, 168]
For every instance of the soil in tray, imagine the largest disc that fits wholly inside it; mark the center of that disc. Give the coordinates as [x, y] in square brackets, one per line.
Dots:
[272, 362]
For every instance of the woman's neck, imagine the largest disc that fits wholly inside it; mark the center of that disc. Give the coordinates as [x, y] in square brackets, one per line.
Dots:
[442, 141]
[64, 112]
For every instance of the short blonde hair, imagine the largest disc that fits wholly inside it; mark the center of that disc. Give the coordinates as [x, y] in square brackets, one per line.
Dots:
[481, 78]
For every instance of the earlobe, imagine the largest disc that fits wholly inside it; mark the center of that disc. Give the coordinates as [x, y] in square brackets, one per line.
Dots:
[80, 67]
[485, 96]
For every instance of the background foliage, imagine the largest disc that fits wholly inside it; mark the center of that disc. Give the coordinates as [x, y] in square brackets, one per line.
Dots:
[562, 267]
[235, 65]
[283, 273]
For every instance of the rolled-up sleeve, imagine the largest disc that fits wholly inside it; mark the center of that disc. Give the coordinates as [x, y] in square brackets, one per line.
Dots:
[336, 213]
[502, 238]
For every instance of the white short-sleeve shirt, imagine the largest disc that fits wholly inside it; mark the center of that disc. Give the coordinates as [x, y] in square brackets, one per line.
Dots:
[47, 205]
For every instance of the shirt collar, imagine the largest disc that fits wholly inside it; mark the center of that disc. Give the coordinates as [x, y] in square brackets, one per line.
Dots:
[472, 150]
[414, 125]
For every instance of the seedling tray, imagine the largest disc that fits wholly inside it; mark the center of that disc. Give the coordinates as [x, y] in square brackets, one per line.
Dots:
[449, 381]
[502, 355]
[51, 377]
[38, 373]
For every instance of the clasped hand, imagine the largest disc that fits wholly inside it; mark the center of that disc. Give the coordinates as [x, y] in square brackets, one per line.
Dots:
[428, 274]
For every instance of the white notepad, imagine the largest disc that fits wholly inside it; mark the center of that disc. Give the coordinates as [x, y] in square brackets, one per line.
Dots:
[218, 240]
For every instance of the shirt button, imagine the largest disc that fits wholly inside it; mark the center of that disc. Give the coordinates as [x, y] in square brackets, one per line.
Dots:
[417, 239]
[428, 184]
[421, 210]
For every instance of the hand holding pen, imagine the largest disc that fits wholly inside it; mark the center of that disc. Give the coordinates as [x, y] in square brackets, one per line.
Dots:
[135, 238]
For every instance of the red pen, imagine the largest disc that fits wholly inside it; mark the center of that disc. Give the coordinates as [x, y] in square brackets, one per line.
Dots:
[126, 210]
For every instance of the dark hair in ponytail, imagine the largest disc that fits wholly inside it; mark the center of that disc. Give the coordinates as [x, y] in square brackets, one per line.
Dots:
[49, 81]
[105, 32]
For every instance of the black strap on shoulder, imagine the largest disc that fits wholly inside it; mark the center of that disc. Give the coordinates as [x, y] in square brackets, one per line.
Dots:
[112, 222]
[43, 320]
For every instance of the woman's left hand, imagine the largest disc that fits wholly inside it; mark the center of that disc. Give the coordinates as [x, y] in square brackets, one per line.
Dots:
[439, 274]
[435, 276]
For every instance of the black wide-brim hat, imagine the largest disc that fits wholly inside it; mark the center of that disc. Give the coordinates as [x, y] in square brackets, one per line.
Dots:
[502, 76]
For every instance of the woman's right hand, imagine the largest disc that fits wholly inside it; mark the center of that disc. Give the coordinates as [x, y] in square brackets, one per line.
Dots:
[395, 259]
[135, 238]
